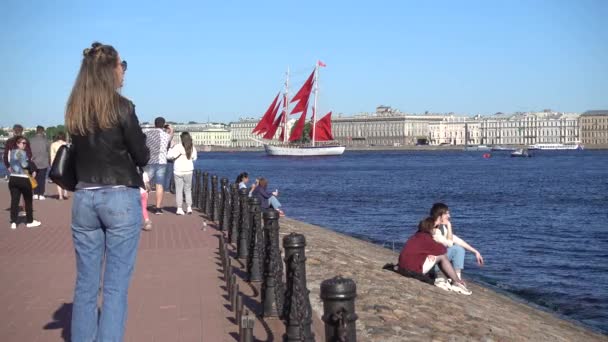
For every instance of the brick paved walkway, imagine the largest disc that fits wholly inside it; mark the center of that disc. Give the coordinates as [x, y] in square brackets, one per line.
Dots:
[177, 292]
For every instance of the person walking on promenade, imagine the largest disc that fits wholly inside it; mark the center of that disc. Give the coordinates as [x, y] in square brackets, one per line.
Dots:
[19, 183]
[40, 156]
[183, 155]
[11, 144]
[144, 201]
[267, 199]
[455, 245]
[59, 141]
[158, 141]
[108, 146]
[420, 253]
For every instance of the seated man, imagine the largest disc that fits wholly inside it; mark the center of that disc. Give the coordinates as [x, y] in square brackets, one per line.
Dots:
[455, 245]
[421, 253]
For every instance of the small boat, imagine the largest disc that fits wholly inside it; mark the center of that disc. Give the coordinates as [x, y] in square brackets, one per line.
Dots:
[503, 148]
[521, 153]
[574, 146]
[477, 148]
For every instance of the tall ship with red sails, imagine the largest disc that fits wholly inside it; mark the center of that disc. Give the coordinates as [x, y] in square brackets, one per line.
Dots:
[322, 142]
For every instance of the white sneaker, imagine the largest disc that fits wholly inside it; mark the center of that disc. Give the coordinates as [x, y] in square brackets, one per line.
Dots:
[189, 210]
[41, 197]
[180, 211]
[35, 197]
[33, 224]
[461, 288]
[443, 284]
[13, 226]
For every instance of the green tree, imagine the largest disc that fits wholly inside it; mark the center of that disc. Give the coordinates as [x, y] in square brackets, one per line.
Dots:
[3, 132]
[305, 135]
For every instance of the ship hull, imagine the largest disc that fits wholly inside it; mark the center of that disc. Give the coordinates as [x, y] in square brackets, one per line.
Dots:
[303, 151]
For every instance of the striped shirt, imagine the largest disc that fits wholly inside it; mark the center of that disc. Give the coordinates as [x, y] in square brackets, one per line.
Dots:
[157, 141]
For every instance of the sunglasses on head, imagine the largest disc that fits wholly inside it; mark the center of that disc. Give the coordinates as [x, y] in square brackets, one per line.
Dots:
[123, 64]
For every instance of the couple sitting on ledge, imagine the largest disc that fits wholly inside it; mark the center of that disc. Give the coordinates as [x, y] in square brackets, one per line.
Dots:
[259, 190]
[435, 247]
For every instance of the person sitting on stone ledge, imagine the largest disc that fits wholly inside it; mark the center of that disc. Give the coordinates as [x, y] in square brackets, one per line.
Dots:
[455, 245]
[242, 179]
[420, 253]
[267, 199]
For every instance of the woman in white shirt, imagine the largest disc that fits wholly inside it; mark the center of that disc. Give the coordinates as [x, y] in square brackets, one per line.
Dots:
[184, 155]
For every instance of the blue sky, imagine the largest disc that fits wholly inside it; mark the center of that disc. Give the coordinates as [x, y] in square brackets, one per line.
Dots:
[220, 60]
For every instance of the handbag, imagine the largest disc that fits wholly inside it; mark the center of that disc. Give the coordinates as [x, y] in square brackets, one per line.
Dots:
[63, 170]
[33, 181]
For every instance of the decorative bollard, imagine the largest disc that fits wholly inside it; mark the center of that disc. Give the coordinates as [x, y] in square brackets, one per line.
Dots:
[233, 293]
[214, 204]
[338, 295]
[222, 248]
[255, 260]
[205, 190]
[273, 289]
[228, 273]
[246, 327]
[208, 199]
[196, 185]
[239, 307]
[297, 311]
[223, 207]
[233, 233]
[244, 226]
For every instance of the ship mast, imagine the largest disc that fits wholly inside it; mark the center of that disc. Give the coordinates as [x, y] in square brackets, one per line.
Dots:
[286, 107]
[314, 109]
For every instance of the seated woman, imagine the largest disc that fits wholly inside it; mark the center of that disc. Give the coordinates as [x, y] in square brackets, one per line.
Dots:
[420, 253]
[266, 198]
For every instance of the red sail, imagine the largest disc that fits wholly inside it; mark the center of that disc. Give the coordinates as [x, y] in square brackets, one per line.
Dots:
[303, 95]
[299, 129]
[268, 117]
[323, 129]
[273, 129]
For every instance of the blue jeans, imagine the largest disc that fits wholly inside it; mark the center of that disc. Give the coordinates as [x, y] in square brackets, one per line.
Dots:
[456, 256]
[105, 223]
[156, 173]
[274, 202]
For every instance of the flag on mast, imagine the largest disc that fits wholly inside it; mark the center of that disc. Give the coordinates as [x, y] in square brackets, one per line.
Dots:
[321, 64]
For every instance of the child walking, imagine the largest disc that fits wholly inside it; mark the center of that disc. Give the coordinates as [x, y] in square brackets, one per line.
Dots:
[144, 201]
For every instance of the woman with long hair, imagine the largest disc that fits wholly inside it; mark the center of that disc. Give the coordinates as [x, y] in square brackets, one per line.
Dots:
[109, 146]
[59, 141]
[19, 183]
[184, 155]
[267, 199]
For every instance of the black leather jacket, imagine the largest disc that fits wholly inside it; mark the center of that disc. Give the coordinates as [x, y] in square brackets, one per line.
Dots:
[111, 156]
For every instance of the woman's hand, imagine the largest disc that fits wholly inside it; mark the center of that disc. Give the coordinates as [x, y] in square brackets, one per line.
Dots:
[479, 258]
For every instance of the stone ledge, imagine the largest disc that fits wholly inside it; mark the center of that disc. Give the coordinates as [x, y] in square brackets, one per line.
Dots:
[394, 308]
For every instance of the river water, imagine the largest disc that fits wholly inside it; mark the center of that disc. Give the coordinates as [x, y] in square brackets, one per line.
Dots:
[541, 223]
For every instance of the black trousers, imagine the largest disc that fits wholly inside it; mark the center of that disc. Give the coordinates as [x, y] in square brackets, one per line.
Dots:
[21, 186]
[41, 179]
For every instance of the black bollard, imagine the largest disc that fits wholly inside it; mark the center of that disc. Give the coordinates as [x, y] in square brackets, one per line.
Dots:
[222, 196]
[205, 186]
[228, 273]
[213, 210]
[338, 295]
[233, 234]
[244, 226]
[246, 327]
[208, 199]
[195, 187]
[239, 307]
[222, 247]
[297, 310]
[255, 260]
[233, 294]
[226, 209]
[273, 289]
